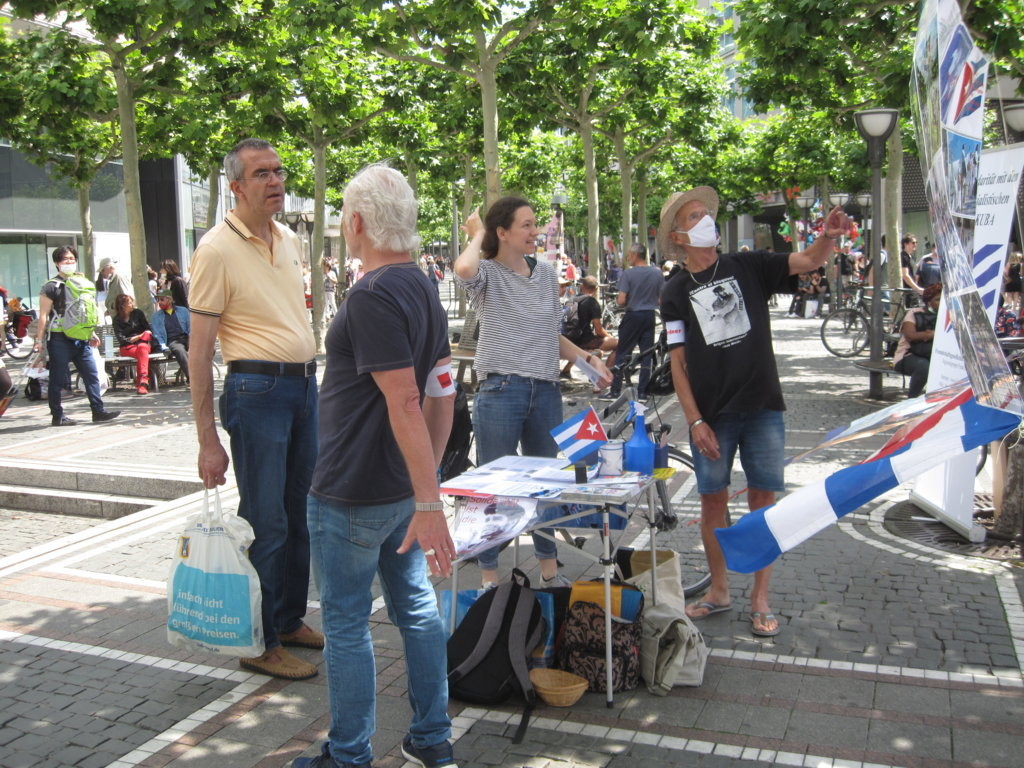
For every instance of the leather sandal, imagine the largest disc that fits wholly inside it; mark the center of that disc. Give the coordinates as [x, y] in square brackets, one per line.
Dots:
[277, 662]
[304, 637]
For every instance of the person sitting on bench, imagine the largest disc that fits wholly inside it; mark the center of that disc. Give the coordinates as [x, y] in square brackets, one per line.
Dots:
[133, 334]
[914, 352]
[171, 327]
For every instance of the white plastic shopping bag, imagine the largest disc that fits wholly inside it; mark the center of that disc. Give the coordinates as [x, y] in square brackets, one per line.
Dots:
[101, 370]
[213, 591]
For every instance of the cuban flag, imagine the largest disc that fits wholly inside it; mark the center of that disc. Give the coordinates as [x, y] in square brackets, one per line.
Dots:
[961, 425]
[581, 435]
[972, 89]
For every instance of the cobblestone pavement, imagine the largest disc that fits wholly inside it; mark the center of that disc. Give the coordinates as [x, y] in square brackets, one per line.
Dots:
[24, 530]
[891, 653]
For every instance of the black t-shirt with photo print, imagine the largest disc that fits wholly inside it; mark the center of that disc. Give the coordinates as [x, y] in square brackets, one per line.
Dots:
[721, 317]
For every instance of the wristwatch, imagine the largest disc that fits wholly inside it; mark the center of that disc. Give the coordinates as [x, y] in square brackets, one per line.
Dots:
[430, 506]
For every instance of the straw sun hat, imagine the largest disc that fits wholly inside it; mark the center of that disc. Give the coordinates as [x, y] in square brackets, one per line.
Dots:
[677, 200]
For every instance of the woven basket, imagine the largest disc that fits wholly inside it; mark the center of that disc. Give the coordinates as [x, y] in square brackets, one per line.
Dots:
[557, 687]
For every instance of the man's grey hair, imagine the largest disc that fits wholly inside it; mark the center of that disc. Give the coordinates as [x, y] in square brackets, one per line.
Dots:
[233, 167]
[639, 249]
[387, 205]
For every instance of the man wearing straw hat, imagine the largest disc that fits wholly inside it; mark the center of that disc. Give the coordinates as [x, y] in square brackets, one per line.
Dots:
[723, 367]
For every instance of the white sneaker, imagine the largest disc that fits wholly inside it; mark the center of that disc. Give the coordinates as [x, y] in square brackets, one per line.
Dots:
[558, 580]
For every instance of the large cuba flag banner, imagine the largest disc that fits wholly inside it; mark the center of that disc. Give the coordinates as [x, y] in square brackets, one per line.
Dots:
[958, 426]
[948, 88]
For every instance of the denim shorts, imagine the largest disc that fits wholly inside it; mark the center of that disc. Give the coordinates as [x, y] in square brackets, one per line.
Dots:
[760, 437]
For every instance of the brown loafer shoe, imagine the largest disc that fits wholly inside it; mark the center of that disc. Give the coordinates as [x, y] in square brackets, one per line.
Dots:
[303, 637]
[279, 663]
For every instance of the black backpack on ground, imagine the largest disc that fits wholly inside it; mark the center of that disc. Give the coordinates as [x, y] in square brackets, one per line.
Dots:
[487, 653]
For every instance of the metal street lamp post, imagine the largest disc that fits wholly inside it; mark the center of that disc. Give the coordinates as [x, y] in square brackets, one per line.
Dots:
[834, 199]
[864, 201]
[805, 202]
[875, 126]
[1014, 116]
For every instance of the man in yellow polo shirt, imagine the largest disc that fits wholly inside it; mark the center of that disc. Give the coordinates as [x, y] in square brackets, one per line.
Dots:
[246, 289]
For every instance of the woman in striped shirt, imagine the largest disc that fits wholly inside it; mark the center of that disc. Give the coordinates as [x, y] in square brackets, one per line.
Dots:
[518, 400]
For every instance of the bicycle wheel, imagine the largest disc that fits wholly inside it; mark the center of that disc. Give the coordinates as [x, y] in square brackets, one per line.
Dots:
[20, 349]
[845, 333]
[678, 498]
[610, 319]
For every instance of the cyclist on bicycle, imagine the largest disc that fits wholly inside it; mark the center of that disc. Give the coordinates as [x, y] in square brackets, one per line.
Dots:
[719, 336]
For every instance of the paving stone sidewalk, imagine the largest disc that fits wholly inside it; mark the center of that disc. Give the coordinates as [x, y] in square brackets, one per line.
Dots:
[891, 653]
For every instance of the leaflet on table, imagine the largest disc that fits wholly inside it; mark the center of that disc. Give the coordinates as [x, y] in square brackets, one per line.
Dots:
[593, 493]
[521, 476]
[588, 370]
[562, 473]
[481, 524]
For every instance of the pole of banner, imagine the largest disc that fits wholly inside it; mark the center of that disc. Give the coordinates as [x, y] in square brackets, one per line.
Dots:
[606, 572]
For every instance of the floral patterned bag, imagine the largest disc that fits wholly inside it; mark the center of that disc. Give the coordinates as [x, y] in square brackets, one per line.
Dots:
[582, 650]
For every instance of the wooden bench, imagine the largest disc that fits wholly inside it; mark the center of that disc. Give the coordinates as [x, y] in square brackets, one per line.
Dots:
[126, 366]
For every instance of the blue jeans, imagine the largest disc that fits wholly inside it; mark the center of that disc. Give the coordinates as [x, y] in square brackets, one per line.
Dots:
[272, 424]
[916, 367]
[62, 351]
[760, 437]
[510, 411]
[350, 545]
[636, 328]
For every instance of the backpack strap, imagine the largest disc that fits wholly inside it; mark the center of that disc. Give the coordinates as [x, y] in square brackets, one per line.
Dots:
[517, 639]
[495, 617]
[525, 602]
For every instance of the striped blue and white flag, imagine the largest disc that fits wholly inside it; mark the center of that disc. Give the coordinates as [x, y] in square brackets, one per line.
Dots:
[758, 538]
[581, 435]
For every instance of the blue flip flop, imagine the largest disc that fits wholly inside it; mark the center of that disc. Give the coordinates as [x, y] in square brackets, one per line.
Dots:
[708, 606]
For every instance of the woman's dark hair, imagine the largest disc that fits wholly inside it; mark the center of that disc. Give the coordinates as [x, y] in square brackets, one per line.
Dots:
[501, 214]
[61, 251]
[171, 267]
[931, 292]
[122, 299]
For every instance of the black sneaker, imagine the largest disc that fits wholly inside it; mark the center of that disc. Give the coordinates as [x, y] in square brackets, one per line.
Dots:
[435, 756]
[62, 421]
[105, 415]
[324, 760]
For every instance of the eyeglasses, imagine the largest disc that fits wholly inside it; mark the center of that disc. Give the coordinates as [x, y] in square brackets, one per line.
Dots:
[264, 175]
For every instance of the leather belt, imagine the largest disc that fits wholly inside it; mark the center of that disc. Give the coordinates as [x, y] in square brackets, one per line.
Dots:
[267, 368]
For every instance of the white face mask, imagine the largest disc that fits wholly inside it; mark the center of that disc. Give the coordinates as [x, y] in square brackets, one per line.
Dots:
[703, 234]
[68, 269]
